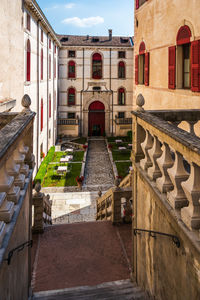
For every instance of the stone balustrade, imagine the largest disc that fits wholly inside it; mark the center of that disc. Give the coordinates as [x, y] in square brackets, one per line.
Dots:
[42, 210]
[109, 205]
[170, 157]
[16, 163]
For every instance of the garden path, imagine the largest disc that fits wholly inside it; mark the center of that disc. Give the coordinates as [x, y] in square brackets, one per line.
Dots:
[98, 170]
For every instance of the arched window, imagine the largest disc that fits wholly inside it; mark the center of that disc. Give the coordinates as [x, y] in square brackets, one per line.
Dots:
[183, 36]
[41, 115]
[41, 66]
[121, 70]
[28, 61]
[96, 66]
[142, 66]
[121, 96]
[71, 69]
[71, 96]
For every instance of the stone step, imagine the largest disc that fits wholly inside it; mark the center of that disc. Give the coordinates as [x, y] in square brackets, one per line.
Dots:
[117, 290]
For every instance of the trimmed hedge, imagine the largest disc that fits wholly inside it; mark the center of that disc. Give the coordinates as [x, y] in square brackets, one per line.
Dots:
[44, 165]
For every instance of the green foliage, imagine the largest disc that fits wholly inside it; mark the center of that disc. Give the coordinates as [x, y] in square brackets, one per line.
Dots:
[130, 135]
[81, 140]
[121, 155]
[44, 165]
[123, 168]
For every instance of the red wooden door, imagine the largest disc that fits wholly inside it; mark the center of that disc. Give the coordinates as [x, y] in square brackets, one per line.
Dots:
[96, 120]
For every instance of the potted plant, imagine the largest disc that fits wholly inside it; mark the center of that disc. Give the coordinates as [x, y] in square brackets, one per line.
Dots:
[85, 147]
[79, 180]
[42, 155]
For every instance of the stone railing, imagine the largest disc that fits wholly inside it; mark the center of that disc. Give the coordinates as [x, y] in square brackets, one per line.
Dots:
[127, 181]
[109, 206]
[120, 121]
[170, 157]
[16, 167]
[42, 210]
[68, 121]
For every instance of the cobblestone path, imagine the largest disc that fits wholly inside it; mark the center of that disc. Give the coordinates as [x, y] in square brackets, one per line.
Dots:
[98, 171]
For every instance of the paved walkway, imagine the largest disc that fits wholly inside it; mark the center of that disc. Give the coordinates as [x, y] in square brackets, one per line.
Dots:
[81, 254]
[98, 171]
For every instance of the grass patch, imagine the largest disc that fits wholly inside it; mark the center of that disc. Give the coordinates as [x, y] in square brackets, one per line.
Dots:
[116, 146]
[121, 155]
[52, 179]
[58, 156]
[78, 156]
[44, 165]
[81, 140]
[123, 168]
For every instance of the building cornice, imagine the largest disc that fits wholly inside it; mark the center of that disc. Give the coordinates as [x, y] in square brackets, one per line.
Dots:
[33, 7]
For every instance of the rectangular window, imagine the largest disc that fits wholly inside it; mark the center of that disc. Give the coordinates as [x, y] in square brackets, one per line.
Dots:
[49, 43]
[121, 54]
[41, 35]
[186, 66]
[71, 53]
[141, 68]
[121, 115]
[28, 22]
[71, 115]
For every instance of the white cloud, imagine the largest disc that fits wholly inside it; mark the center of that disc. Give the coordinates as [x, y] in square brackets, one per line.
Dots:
[69, 5]
[85, 22]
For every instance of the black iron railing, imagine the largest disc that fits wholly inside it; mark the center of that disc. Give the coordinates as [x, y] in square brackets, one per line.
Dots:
[153, 234]
[18, 249]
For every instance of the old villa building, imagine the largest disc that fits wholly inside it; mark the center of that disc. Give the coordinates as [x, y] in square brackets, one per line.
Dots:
[95, 85]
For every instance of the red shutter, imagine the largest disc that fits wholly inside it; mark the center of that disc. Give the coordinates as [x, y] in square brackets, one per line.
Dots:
[41, 64]
[137, 4]
[195, 66]
[49, 66]
[136, 68]
[28, 61]
[41, 125]
[172, 68]
[146, 69]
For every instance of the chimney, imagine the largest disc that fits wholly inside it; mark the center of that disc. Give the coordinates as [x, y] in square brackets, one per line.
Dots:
[87, 37]
[110, 34]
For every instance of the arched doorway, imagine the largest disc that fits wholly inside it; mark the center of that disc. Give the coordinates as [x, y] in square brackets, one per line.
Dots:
[96, 119]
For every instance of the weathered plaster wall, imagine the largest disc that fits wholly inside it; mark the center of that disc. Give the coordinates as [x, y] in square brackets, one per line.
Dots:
[11, 51]
[163, 269]
[158, 25]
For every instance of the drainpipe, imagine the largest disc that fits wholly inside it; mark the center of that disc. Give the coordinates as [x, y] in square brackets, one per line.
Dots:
[38, 95]
[111, 86]
[47, 92]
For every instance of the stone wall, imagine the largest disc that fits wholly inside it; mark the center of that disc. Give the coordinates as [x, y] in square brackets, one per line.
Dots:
[166, 271]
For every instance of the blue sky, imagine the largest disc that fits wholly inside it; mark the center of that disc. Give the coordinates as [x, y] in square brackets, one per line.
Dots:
[82, 17]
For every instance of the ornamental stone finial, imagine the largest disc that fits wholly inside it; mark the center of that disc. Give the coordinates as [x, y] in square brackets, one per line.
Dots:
[26, 103]
[140, 102]
[38, 187]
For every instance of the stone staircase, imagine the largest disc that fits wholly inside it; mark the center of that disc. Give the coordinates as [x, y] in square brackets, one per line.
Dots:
[116, 290]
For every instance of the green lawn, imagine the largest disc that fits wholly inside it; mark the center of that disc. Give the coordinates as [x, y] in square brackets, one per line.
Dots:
[123, 168]
[121, 155]
[52, 179]
[77, 155]
[116, 146]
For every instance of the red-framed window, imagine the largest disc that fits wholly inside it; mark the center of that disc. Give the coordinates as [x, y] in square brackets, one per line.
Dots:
[49, 105]
[55, 49]
[121, 96]
[41, 64]
[71, 69]
[49, 66]
[41, 115]
[96, 66]
[184, 62]
[49, 43]
[121, 70]
[142, 66]
[71, 96]
[28, 60]
[42, 35]
[28, 22]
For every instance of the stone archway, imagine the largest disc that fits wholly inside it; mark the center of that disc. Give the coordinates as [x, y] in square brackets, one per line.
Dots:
[96, 119]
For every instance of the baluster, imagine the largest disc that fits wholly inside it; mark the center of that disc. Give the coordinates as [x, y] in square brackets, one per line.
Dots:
[19, 159]
[191, 124]
[6, 181]
[24, 150]
[2, 231]
[145, 163]
[164, 162]
[154, 153]
[177, 174]
[13, 170]
[6, 208]
[191, 214]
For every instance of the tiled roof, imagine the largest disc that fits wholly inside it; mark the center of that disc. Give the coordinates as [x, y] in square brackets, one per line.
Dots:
[77, 40]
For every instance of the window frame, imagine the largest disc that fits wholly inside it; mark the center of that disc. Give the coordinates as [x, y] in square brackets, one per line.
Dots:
[28, 60]
[28, 22]
[121, 75]
[71, 75]
[123, 56]
[70, 56]
[95, 66]
[120, 102]
[68, 96]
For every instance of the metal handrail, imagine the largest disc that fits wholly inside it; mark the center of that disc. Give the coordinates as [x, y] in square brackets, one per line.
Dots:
[18, 249]
[153, 234]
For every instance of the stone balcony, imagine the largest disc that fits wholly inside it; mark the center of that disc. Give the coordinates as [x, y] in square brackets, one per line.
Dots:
[16, 167]
[68, 127]
[166, 193]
